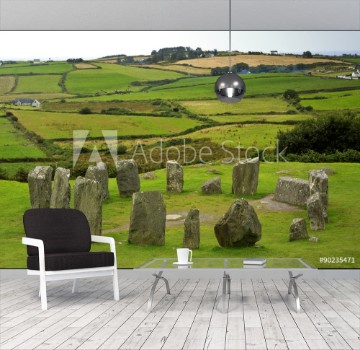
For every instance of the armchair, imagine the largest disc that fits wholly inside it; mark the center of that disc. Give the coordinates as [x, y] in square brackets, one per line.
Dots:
[58, 246]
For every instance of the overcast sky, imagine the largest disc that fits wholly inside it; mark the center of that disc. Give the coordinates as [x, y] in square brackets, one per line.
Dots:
[26, 45]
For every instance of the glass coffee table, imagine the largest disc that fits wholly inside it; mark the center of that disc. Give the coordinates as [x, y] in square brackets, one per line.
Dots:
[222, 267]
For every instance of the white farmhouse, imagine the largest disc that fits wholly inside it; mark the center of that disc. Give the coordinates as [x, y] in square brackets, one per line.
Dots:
[26, 102]
[356, 73]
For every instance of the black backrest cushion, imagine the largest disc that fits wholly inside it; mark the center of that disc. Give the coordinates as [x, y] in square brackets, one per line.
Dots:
[62, 230]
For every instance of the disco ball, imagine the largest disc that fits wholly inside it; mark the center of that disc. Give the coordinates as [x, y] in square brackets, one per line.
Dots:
[230, 88]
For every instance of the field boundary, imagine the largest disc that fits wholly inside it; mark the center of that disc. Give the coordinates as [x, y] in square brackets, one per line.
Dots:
[31, 136]
[15, 85]
[176, 71]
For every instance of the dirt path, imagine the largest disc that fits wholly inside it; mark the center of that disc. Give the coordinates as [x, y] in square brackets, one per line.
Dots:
[268, 204]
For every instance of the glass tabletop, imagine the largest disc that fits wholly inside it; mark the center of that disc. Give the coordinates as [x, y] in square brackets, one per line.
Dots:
[229, 263]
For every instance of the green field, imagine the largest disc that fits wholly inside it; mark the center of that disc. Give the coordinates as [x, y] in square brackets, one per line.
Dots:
[275, 118]
[193, 81]
[50, 125]
[6, 84]
[113, 77]
[13, 144]
[256, 135]
[344, 189]
[332, 100]
[57, 68]
[271, 83]
[250, 105]
[38, 83]
[12, 168]
[355, 60]
[99, 106]
[261, 86]
[332, 74]
[181, 68]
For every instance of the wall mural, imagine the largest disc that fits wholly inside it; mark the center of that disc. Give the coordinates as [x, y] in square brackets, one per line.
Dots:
[141, 144]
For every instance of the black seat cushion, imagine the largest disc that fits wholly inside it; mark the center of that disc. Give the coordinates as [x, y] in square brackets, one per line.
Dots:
[68, 261]
[62, 230]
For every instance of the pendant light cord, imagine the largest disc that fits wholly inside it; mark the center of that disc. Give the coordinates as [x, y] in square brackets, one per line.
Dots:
[229, 35]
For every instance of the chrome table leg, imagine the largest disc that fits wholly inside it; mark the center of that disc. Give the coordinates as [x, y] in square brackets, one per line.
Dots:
[158, 276]
[226, 283]
[293, 285]
[225, 290]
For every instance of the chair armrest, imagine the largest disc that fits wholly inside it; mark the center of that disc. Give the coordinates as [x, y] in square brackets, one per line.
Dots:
[102, 239]
[35, 242]
[108, 240]
[40, 245]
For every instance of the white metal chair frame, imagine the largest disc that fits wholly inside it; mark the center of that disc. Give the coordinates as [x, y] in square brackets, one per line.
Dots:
[73, 273]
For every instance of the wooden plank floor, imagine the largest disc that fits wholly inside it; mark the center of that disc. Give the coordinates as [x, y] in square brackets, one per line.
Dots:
[257, 315]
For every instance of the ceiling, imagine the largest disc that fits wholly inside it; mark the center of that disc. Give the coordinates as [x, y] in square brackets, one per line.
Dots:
[179, 14]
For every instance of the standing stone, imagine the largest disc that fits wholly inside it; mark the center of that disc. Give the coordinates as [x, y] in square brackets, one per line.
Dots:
[212, 186]
[298, 230]
[148, 219]
[87, 198]
[239, 227]
[174, 176]
[245, 177]
[292, 191]
[315, 211]
[60, 197]
[192, 230]
[100, 174]
[39, 181]
[127, 177]
[319, 182]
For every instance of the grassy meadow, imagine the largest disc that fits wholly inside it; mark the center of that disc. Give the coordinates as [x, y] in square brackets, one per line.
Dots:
[38, 83]
[56, 68]
[175, 101]
[271, 84]
[185, 69]
[258, 135]
[147, 107]
[260, 118]
[264, 105]
[332, 100]
[14, 145]
[113, 77]
[50, 125]
[6, 83]
[344, 190]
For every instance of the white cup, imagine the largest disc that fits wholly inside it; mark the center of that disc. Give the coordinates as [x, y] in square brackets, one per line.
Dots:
[183, 255]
